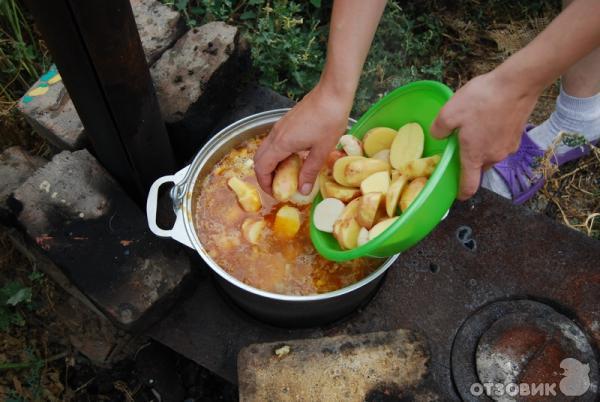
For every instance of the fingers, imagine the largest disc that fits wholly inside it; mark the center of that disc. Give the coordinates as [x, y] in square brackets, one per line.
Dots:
[443, 124]
[470, 178]
[311, 168]
[266, 160]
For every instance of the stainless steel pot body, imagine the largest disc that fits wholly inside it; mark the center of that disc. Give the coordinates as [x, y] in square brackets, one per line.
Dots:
[285, 310]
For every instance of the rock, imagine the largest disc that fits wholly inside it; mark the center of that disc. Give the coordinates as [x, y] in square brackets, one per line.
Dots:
[348, 368]
[16, 165]
[73, 210]
[158, 25]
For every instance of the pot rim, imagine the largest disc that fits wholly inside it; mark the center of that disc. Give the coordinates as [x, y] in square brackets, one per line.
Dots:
[188, 182]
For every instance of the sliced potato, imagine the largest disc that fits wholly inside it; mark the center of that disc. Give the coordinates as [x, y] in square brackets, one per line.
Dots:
[346, 233]
[393, 195]
[300, 199]
[381, 227]
[285, 181]
[246, 193]
[363, 237]
[358, 170]
[422, 167]
[327, 212]
[346, 228]
[367, 210]
[342, 193]
[411, 192]
[377, 139]
[408, 144]
[376, 183]
[252, 228]
[339, 168]
[383, 155]
[351, 145]
[351, 210]
[287, 222]
[395, 174]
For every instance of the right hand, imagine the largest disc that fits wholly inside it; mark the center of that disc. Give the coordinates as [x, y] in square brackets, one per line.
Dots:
[315, 124]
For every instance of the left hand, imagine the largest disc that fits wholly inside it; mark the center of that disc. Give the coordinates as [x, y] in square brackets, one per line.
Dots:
[490, 112]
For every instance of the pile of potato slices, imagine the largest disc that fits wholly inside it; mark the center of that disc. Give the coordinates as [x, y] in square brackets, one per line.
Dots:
[367, 184]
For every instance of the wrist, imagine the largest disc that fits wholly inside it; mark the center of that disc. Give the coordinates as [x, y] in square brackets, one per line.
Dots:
[524, 71]
[337, 90]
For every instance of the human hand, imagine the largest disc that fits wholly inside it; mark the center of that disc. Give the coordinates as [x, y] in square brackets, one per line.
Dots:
[490, 112]
[314, 125]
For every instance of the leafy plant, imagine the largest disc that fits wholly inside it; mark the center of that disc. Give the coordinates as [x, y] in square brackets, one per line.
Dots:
[22, 58]
[287, 38]
[406, 47]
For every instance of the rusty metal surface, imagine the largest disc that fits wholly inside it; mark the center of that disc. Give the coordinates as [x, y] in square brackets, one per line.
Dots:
[487, 250]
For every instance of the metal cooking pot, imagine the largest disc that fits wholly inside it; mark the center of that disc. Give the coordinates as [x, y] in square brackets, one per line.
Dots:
[286, 310]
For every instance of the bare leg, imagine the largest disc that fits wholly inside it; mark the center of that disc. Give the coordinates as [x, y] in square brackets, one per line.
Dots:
[583, 79]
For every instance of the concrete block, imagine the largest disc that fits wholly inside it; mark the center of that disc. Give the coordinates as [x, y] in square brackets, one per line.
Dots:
[339, 368]
[48, 108]
[159, 26]
[181, 74]
[73, 210]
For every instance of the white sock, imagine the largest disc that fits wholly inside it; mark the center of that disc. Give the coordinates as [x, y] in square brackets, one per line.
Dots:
[572, 115]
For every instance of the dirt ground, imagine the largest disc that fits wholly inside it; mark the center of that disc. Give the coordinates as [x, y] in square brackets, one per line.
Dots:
[45, 366]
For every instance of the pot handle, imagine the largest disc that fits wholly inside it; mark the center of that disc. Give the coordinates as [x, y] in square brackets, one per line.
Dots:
[177, 232]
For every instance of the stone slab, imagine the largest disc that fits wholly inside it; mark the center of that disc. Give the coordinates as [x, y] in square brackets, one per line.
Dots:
[431, 289]
[340, 368]
[74, 211]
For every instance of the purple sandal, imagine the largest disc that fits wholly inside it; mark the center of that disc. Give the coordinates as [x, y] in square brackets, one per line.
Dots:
[519, 169]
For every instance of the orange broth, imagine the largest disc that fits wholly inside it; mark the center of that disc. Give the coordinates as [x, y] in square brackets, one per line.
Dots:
[278, 265]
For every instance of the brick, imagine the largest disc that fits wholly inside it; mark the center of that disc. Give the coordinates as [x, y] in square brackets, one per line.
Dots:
[47, 105]
[74, 211]
[158, 25]
[346, 367]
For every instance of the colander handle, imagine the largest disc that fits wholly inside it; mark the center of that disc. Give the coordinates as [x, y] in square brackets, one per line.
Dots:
[177, 232]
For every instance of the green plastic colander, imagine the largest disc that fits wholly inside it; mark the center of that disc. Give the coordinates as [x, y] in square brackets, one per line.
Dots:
[417, 102]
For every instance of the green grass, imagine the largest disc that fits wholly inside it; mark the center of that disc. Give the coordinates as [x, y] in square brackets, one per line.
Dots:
[22, 57]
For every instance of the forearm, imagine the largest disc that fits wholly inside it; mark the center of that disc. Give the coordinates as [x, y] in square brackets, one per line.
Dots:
[353, 25]
[571, 36]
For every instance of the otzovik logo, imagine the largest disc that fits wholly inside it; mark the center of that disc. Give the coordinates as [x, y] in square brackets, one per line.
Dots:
[575, 382]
